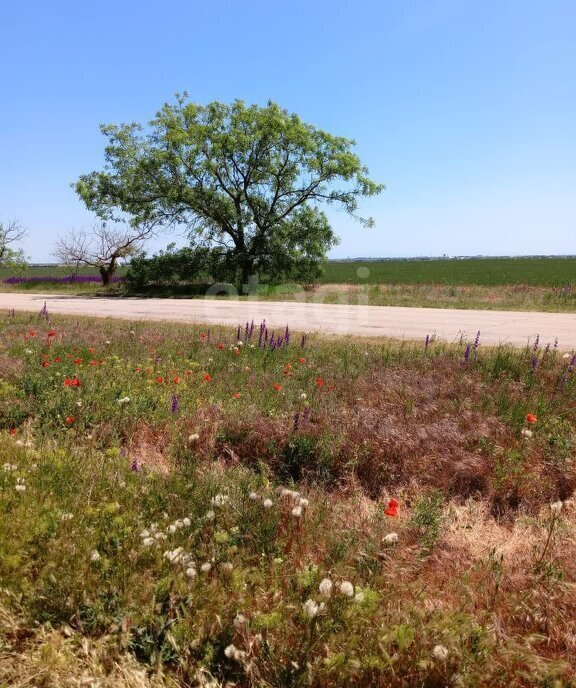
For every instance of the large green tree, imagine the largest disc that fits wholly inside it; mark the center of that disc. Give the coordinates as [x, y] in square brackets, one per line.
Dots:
[246, 181]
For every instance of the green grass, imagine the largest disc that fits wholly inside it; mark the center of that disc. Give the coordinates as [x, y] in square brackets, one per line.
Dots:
[138, 548]
[486, 271]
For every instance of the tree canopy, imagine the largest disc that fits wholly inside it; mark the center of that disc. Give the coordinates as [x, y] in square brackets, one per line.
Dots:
[11, 232]
[245, 181]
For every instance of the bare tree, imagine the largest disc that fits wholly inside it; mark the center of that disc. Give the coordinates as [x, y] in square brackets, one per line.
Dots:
[103, 248]
[11, 232]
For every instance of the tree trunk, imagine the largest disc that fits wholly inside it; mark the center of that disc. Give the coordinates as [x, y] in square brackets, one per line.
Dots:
[249, 278]
[106, 274]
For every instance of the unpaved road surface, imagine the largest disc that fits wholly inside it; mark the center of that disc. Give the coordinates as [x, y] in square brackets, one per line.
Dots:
[516, 328]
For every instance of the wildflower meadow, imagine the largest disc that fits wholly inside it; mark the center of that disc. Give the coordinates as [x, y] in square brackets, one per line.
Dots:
[184, 505]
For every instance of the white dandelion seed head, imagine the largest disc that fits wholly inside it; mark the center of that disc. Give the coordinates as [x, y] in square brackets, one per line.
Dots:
[148, 541]
[220, 500]
[254, 496]
[303, 501]
[303, 395]
[325, 587]
[391, 538]
[297, 511]
[179, 523]
[191, 572]
[346, 588]
[210, 515]
[440, 652]
[171, 528]
[206, 567]
[230, 651]
[267, 503]
[94, 555]
[556, 507]
[186, 522]
[310, 608]
[20, 487]
[359, 597]
[194, 437]
[526, 433]
[566, 356]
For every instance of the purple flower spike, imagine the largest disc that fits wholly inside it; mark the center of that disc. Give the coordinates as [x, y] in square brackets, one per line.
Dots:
[427, 342]
[467, 354]
[296, 421]
[135, 467]
[303, 341]
[536, 343]
[175, 406]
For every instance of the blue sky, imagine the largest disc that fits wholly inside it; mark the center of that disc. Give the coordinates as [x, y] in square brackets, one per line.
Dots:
[465, 110]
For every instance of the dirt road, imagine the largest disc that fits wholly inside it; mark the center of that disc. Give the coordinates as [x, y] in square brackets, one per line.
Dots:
[515, 328]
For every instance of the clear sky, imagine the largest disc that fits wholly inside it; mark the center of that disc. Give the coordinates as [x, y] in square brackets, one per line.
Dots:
[465, 110]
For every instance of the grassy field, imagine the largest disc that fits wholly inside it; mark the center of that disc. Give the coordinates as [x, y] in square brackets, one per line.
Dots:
[490, 272]
[180, 508]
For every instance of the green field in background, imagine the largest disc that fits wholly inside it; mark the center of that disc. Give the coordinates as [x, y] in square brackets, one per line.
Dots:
[482, 271]
[547, 272]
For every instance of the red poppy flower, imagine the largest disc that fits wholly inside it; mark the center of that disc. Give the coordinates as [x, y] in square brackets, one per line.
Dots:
[236, 395]
[45, 364]
[52, 333]
[320, 382]
[77, 361]
[221, 346]
[278, 387]
[207, 377]
[531, 418]
[94, 362]
[392, 508]
[13, 431]
[72, 382]
[69, 420]
[91, 350]
[32, 333]
[203, 335]
[57, 359]
[302, 360]
[160, 379]
[177, 380]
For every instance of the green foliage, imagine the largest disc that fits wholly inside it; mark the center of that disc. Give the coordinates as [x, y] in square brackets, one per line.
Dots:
[427, 519]
[245, 180]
